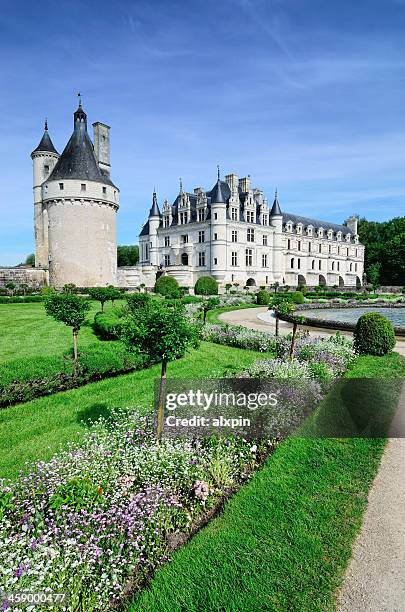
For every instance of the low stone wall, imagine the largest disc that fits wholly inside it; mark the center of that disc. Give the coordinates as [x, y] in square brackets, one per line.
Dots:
[337, 325]
[33, 277]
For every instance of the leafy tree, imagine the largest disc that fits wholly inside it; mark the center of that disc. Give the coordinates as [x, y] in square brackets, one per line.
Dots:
[71, 310]
[11, 287]
[208, 305]
[373, 276]
[135, 301]
[113, 294]
[280, 304]
[384, 244]
[100, 294]
[163, 333]
[30, 260]
[69, 288]
[24, 288]
[127, 255]
[227, 287]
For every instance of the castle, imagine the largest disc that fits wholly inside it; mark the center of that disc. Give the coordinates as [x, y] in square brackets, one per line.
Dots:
[229, 231]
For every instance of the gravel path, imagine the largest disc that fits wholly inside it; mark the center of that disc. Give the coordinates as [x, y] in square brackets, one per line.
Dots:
[375, 579]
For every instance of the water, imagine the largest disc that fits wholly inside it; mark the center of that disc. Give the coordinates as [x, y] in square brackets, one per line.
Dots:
[350, 315]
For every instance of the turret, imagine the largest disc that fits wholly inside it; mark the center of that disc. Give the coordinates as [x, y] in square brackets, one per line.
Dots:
[44, 158]
[276, 220]
[219, 195]
[154, 222]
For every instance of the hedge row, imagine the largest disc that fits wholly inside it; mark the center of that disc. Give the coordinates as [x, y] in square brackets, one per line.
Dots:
[22, 380]
[107, 325]
[19, 299]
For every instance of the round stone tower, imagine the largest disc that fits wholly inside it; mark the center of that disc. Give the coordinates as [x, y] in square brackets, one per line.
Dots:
[81, 203]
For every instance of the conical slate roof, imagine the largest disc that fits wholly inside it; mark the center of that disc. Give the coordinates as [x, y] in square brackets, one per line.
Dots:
[275, 209]
[217, 194]
[46, 144]
[78, 160]
[154, 211]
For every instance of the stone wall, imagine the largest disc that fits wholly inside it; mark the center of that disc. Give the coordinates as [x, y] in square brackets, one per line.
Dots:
[33, 277]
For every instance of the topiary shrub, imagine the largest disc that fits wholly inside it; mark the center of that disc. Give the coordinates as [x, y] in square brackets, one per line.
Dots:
[167, 286]
[303, 289]
[206, 285]
[298, 298]
[262, 298]
[373, 335]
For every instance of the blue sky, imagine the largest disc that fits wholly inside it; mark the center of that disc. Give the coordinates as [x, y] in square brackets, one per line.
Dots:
[304, 95]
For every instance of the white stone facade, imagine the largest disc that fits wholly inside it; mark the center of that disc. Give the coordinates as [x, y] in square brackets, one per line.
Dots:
[241, 240]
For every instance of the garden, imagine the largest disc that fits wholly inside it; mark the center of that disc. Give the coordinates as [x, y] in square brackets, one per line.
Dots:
[96, 503]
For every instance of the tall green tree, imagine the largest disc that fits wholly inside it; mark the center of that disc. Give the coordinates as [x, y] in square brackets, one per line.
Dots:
[127, 255]
[385, 245]
[71, 310]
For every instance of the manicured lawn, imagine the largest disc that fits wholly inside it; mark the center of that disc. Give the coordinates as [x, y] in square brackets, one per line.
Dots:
[212, 315]
[389, 366]
[26, 331]
[34, 430]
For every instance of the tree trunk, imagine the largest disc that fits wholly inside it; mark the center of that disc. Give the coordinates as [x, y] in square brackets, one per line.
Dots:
[205, 315]
[102, 306]
[295, 326]
[161, 406]
[277, 324]
[75, 334]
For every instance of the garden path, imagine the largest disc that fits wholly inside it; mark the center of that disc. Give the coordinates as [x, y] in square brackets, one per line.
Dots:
[375, 578]
[251, 318]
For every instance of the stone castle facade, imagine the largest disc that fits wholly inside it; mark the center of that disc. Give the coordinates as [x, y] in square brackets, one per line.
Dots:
[231, 233]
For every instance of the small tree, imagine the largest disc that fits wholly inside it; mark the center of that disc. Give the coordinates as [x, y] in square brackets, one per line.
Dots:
[71, 310]
[227, 287]
[163, 333]
[30, 260]
[280, 304]
[208, 305]
[206, 285]
[10, 286]
[113, 294]
[100, 294]
[69, 288]
[24, 288]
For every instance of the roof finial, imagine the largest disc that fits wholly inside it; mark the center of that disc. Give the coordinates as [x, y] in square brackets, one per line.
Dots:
[46, 124]
[181, 185]
[219, 177]
[79, 95]
[276, 194]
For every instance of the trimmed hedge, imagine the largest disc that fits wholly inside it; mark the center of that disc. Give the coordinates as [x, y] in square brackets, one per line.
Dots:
[19, 299]
[22, 380]
[167, 286]
[107, 325]
[373, 335]
[263, 298]
[298, 297]
[206, 285]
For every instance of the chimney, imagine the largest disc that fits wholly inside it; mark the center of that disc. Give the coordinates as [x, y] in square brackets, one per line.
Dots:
[244, 184]
[351, 224]
[102, 146]
[232, 180]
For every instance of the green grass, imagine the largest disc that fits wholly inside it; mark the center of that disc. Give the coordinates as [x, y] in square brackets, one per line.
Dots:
[282, 542]
[34, 430]
[26, 331]
[389, 366]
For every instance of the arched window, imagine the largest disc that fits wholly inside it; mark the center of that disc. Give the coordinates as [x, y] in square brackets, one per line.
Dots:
[292, 262]
[313, 264]
[333, 265]
[320, 264]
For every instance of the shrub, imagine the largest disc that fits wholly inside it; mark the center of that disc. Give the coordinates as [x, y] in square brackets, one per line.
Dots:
[100, 294]
[167, 286]
[373, 335]
[28, 299]
[107, 325]
[206, 285]
[303, 289]
[298, 298]
[262, 298]
[137, 300]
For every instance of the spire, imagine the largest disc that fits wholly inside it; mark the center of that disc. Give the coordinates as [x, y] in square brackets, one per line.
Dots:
[46, 144]
[219, 175]
[181, 186]
[275, 209]
[80, 117]
[217, 193]
[154, 211]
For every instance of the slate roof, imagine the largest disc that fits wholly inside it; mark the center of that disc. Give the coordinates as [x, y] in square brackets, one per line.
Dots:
[154, 211]
[316, 223]
[275, 209]
[46, 144]
[78, 160]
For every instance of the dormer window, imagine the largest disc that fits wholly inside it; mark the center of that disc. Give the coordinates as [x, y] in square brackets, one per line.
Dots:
[330, 234]
[83, 187]
[309, 231]
[320, 232]
[46, 169]
[339, 236]
[201, 215]
[289, 227]
[299, 228]
[234, 214]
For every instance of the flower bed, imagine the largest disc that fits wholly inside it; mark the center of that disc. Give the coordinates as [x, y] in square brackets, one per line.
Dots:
[242, 337]
[98, 518]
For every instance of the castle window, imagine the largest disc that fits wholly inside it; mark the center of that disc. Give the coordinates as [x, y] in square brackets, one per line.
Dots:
[313, 264]
[351, 267]
[234, 258]
[201, 214]
[265, 240]
[292, 262]
[299, 263]
[299, 245]
[249, 257]
[320, 265]
[234, 236]
[333, 265]
[167, 260]
[183, 218]
[264, 260]
[61, 186]
[234, 214]
[320, 248]
[167, 241]
[215, 261]
[338, 266]
[146, 251]
[166, 221]
[355, 267]
[338, 251]
[104, 190]
[46, 169]
[250, 234]
[215, 236]
[288, 244]
[83, 187]
[309, 247]
[330, 249]
[265, 220]
[201, 258]
[201, 236]
[250, 216]
[215, 216]
[184, 239]
[267, 280]
[356, 253]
